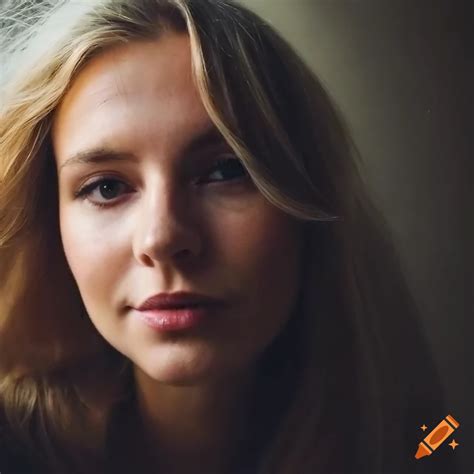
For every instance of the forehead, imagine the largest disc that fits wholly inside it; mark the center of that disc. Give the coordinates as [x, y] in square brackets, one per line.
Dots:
[141, 90]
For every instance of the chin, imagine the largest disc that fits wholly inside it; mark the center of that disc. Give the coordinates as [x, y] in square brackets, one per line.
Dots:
[181, 367]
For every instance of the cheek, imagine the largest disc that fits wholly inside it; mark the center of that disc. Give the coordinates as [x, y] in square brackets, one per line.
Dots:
[91, 257]
[264, 244]
[275, 262]
[264, 256]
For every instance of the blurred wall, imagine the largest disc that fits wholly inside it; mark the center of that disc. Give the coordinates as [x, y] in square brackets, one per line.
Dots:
[399, 71]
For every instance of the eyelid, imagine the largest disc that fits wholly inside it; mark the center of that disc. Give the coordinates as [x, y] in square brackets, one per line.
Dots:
[89, 187]
[221, 157]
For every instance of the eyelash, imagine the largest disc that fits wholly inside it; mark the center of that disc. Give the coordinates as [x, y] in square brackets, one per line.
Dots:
[85, 191]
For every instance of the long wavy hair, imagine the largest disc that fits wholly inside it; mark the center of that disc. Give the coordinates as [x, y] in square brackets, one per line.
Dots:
[354, 372]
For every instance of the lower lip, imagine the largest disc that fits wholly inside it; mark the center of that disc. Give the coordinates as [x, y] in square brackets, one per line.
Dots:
[175, 319]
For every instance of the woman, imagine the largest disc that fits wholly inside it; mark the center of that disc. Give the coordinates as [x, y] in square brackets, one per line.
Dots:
[117, 121]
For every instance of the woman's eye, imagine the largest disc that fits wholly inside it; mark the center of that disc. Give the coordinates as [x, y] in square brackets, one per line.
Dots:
[104, 192]
[229, 169]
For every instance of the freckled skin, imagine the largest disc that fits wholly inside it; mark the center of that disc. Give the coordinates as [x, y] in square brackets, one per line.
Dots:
[223, 240]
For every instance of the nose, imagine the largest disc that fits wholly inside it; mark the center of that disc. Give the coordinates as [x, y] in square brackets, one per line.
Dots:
[162, 230]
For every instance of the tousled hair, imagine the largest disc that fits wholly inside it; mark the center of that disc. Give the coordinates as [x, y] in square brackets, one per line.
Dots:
[341, 356]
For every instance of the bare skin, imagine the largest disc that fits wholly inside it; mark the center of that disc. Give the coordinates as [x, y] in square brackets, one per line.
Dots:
[163, 233]
[213, 426]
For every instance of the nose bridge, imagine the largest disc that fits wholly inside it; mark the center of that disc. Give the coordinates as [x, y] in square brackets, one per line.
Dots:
[162, 229]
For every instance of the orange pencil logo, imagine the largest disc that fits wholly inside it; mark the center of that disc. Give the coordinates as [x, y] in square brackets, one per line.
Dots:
[436, 437]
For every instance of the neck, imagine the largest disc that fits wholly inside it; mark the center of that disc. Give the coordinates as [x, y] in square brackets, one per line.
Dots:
[194, 425]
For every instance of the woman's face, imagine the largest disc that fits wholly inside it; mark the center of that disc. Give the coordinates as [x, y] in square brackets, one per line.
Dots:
[171, 220]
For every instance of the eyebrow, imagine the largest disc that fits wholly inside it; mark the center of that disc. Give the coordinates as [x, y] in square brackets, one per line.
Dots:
[103, 154]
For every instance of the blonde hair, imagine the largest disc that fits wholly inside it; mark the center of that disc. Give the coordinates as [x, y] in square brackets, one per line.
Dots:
[340, 357]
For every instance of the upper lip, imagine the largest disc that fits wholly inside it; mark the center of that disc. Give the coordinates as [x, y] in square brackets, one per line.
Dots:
[179, 299]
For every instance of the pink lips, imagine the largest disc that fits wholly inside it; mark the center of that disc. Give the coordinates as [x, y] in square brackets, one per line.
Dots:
[176, 300]
[174, 319]
[176, 311]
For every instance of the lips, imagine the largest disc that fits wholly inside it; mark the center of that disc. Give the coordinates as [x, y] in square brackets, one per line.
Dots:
[177, 300]
[175, 319]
